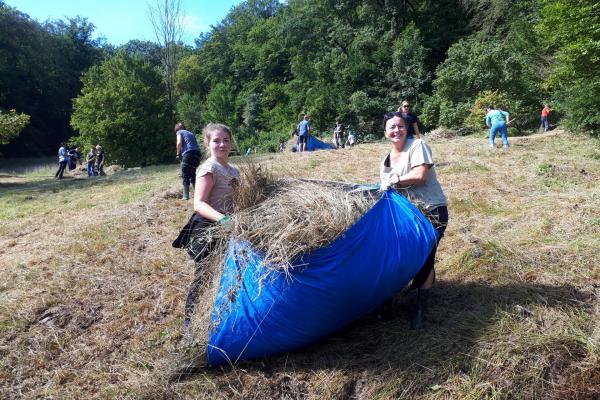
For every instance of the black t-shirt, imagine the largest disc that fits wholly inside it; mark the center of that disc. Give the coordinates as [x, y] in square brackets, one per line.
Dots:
[410, 119]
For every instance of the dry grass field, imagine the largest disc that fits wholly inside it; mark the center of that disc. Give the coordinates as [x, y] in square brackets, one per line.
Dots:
[92, 293]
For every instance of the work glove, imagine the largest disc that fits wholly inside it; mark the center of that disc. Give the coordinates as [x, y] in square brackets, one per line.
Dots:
[389, 181]
[225, 221]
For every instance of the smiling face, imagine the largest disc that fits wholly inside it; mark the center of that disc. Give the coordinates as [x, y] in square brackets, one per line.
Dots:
[219, 144]
[395, 131]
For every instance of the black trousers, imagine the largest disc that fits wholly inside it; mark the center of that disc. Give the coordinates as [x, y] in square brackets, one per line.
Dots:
[61, 169]
[439, 219]
[198, 246]
[189, 164]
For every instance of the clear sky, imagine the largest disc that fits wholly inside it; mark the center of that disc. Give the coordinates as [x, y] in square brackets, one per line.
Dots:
[122, 20]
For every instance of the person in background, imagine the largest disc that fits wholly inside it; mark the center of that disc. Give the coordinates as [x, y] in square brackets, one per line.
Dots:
[91, 160]
[74, 158]
[497, 121]
[100, 160]
[212, 205]
[282, 146]
[189, 152]
[411, 119]
[338, 134]
[62, 160]
[544, 117]
[409, 168]
[303, 133]
[351, 139]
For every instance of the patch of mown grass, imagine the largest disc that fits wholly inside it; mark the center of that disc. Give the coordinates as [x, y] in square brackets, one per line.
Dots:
[466, 166]
[470, 206]
[95, 238]
[314, 162]
[546, 169]
[134, 192]
[502, 322]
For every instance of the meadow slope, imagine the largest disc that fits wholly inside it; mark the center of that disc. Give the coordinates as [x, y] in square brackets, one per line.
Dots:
[91, 291]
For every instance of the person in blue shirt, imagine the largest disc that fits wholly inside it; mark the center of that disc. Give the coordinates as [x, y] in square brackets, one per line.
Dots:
[303, 133]
[497, 120]
[189, 153]
[91, 161]
[62, 160]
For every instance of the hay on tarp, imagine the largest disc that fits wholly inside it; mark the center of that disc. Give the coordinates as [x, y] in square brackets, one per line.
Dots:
[283, 219]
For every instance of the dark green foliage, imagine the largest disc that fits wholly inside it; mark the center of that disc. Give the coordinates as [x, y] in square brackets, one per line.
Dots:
[268, 63]
[503, 56]
[570, 31]
[40, 69]
[123, 108]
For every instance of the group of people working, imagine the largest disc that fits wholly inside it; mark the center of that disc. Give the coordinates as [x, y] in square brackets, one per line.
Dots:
[69, 158]
[303, 132]
[408, 167]
[498, 120]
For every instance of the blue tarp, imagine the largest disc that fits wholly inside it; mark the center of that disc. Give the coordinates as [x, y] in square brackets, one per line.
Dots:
[324, 290]
[313, 144]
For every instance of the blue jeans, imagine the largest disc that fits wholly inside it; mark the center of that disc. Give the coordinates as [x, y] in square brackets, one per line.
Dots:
[90, 169]
[545, 123]
[498, 126]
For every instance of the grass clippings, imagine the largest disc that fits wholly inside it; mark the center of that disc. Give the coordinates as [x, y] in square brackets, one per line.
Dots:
[92, 293]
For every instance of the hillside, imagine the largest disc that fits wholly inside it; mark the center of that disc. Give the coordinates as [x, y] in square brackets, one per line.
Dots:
[92, 293]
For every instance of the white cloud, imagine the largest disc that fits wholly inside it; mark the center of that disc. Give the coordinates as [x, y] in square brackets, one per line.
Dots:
[193, 24]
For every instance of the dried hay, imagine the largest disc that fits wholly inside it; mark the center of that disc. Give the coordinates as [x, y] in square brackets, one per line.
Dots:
[444, 133]
[283, 219]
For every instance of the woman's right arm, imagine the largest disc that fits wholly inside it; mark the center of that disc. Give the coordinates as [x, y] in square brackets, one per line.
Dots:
[202, 189]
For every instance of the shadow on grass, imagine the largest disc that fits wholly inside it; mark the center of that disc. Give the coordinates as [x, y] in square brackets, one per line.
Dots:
[460, 315]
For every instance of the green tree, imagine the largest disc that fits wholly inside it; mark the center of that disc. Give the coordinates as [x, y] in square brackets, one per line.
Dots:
[570, 31]
[11, 124]
[122, 107]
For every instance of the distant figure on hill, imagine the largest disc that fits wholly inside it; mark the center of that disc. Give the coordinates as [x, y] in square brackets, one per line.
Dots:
[282, 146]
[497, 120]
[91, 161]
[188, 152]
[351, 139]
[62, 160]
[338, 134]
[411, 119]
[409, 168]
[303, 133]
[100, 158]
[212, 205]
[544, 117]
[74, 158]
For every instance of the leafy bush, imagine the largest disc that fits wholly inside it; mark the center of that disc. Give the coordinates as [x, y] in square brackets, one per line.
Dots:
[122, 107]
[11, 124]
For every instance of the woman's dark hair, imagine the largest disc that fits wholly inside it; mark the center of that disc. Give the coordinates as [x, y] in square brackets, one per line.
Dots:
[179, 126]
[390, 115]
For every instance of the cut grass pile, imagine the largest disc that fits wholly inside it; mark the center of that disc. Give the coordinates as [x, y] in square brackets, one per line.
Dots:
[91, 292]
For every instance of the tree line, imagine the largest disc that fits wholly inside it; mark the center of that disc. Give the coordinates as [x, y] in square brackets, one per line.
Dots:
[268, 63]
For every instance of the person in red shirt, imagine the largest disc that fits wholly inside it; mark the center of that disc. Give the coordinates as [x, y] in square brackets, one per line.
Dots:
[545, 113]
